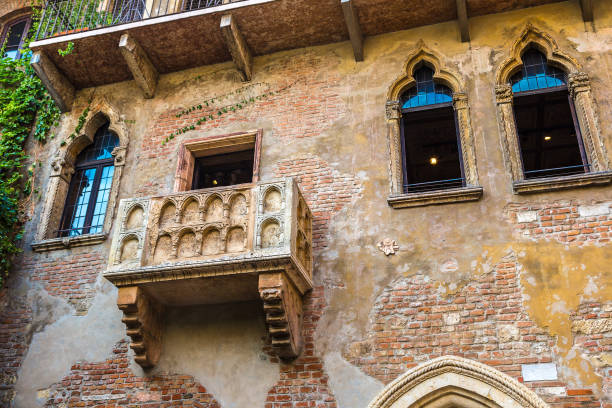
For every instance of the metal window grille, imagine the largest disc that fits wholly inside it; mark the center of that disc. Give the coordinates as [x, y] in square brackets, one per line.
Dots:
[90, 187]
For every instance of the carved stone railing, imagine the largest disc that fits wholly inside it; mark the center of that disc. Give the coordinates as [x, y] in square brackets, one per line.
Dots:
[220, 245]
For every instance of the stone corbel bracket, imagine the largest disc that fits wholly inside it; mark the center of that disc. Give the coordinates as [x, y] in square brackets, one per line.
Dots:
[283, 309]
[143, 320]
[59, 87]
[237, 46]
[144, 72]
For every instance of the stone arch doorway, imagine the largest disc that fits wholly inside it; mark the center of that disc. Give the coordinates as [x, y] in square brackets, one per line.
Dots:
[450, 381]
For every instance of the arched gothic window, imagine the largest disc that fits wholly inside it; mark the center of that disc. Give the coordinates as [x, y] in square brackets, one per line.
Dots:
[431, 145]
[14, 36]
[90, 186]
[549, 134]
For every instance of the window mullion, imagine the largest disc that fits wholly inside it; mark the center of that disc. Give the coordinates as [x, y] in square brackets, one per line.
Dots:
[66, 216]
[93, 198]
[583, 155]
[459, 150]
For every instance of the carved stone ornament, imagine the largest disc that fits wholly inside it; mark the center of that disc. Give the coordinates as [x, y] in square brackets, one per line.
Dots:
[503, 94]
[456, 381]
[392, 110]
[388, 246]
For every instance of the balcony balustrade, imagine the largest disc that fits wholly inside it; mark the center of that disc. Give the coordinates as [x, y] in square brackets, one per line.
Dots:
[120, 40]
[221, 245]
[63, 17]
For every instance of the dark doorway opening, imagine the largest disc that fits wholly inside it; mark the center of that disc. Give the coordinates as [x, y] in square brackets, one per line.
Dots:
[223, 169]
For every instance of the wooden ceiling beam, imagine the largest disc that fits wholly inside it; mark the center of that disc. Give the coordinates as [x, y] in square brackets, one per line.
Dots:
[462, 19]
[352, 24]
[587, 10]
[237, 46]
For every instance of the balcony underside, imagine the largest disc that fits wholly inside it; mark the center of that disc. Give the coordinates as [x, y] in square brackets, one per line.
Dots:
[190, 39]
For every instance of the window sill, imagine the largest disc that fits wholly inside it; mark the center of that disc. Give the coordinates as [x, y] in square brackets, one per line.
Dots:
[455, 195]
[68, 242]
[561, 183]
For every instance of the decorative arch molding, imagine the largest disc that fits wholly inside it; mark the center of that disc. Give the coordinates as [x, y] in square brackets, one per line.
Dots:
[422, 54]
[398, 199]
[456, 381]
[579, 87]
[533, 37]
[62, 169]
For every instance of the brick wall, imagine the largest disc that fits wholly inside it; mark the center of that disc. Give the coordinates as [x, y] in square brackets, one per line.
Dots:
[71, 277]
[111, 384]
[592, 328]
[305, 102]
[7, 6]
[303, 382]
[412, 322]
[325, 189]
[15, 318]
[563, 221]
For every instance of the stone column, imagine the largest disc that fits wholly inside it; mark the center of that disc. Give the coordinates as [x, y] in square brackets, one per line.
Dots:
[466, 138]
[394, 116]
[580, 92]
[505, 112]
[55, 198]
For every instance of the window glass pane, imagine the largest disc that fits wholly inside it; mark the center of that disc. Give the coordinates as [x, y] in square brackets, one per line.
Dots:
[14, 38]
[426, 92]
[536, 73]
[78, 198]
[547, 134]
[432, 156]
[106, 181]
[104, 143]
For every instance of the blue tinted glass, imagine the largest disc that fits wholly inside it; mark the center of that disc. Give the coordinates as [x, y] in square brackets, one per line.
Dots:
[12, 54]
[104, 143]
[85, 179]
[536, 74]
[106, 181]
[426, 92]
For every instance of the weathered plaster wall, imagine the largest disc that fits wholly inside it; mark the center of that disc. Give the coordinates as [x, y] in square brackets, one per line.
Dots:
[455, 261]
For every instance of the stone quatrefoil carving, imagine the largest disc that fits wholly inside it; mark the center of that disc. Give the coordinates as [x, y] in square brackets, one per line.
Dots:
[388, 246]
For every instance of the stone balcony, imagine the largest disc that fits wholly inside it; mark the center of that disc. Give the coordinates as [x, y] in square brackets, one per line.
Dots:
[164, 36]
[221, 245]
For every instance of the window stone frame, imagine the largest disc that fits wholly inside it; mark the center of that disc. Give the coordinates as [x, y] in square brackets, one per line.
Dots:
[62, 169]
[193, 148]
[472, 191]
[579, 87]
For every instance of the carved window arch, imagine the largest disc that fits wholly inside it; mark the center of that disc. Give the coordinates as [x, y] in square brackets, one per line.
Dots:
[55, 219]
[456, 381]
[426, 87]
[89, 189]
[537, 72]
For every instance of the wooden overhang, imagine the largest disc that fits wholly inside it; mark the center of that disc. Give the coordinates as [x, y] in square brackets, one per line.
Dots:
[195, 38]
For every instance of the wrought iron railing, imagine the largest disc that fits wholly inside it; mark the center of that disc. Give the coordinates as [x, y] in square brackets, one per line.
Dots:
[63, 17]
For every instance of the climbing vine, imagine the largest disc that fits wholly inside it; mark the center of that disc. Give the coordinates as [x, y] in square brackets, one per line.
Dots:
[212, 111]
[26, 109]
